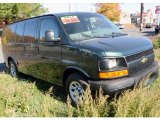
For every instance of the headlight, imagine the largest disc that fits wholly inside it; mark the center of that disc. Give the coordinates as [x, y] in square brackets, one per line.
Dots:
[112, 68]
[112, 63]
[106, 64]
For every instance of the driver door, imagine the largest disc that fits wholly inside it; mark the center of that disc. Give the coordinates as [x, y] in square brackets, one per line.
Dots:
[49, 53]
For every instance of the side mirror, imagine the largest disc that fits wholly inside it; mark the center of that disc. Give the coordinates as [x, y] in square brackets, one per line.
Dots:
[49, 36]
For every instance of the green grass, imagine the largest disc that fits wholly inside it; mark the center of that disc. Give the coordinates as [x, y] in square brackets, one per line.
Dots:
[24, 97]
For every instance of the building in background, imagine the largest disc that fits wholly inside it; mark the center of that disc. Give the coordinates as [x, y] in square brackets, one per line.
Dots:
[147, 17]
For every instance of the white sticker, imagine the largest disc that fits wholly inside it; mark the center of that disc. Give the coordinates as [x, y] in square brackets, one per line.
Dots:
[70, 19]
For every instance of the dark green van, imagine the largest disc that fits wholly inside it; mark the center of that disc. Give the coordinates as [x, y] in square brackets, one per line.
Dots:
[77, 49]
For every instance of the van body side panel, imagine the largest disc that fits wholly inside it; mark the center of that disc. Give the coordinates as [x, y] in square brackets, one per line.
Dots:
[73, 56]
[49, 63]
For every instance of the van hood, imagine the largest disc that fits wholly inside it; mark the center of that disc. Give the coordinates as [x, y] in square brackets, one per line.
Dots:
[118, 46]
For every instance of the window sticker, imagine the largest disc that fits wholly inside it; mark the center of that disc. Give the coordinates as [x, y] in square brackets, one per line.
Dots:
[93, 19]
[69, 19]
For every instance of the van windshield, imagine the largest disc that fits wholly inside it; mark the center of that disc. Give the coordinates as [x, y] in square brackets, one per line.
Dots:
[88, 26]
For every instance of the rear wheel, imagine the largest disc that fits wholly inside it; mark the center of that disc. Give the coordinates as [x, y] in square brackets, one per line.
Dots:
[13, 69]
[75, 87]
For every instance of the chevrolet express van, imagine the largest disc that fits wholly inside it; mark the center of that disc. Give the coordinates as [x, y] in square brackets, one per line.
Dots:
[78, 49]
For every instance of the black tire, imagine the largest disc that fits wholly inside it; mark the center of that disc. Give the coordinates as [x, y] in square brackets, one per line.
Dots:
[75, 78]
[13, 71]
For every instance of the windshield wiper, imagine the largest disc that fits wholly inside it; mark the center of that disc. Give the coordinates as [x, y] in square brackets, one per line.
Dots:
[118, 34]
[90, 37]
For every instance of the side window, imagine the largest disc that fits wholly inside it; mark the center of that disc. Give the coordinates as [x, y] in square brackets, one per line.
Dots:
[8, 33]
[46, 25]
[30, 31]
[19, 31]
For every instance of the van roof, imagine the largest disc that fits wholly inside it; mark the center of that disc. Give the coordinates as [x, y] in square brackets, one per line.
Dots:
[69, 13]
[56, 14]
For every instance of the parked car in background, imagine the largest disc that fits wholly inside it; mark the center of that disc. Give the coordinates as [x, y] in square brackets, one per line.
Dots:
[78, 49]
[148, 25]
[120, 26]
[157, 29]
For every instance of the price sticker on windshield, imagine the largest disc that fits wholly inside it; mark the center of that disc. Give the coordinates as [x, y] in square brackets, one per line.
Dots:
[69, 19]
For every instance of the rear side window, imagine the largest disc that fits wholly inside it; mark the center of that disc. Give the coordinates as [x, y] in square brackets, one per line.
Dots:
[30, 31]
[8, 34]
[19, 32]
[46, 25]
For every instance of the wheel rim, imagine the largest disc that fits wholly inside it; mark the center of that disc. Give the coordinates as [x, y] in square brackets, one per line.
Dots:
[13, 70]
[76, 91]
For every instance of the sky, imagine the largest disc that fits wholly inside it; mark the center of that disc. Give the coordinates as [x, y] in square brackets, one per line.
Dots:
[90, 7]
[64, 7]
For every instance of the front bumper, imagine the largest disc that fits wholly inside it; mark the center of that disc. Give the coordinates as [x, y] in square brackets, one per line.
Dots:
[113, 86]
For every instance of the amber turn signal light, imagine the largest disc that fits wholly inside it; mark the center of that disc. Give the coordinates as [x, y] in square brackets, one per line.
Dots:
[113, 74]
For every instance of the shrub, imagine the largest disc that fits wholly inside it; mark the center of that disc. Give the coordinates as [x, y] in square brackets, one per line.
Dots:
[91, 107]
[141, 102]
[156, 42]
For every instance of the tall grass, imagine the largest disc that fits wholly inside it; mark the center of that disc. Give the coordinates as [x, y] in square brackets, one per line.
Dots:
[22, 98]
[156, 42]
[91, 107]
[140, 102]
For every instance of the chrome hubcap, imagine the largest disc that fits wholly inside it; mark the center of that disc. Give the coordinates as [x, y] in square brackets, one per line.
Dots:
[13, 70]
[76, 91]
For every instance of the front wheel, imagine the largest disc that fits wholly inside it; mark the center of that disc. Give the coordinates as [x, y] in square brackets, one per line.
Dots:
[13, 69]
[75, 87]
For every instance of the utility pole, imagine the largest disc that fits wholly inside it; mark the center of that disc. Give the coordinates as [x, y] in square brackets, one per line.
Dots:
[141, 16]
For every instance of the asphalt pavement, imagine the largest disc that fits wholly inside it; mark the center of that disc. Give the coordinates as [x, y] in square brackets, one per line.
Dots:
[146, 32]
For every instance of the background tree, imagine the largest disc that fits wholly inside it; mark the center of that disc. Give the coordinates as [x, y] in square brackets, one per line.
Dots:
[10, 12]
[29, 9]
[5, 10]
[14, 11]
[110, 10]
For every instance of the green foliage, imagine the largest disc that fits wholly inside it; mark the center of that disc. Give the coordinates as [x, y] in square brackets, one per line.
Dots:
[90, 107]
[141, 102]
[11, 12]
[15, 9]
[22, 98]
[156, 42]
[5, 10]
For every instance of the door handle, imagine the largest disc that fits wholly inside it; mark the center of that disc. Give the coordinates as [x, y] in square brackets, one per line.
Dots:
[42, 57]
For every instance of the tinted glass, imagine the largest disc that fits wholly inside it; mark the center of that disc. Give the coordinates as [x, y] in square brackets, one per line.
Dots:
[19, 31]
[30, 31]
[46, 25]
[8, 34]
